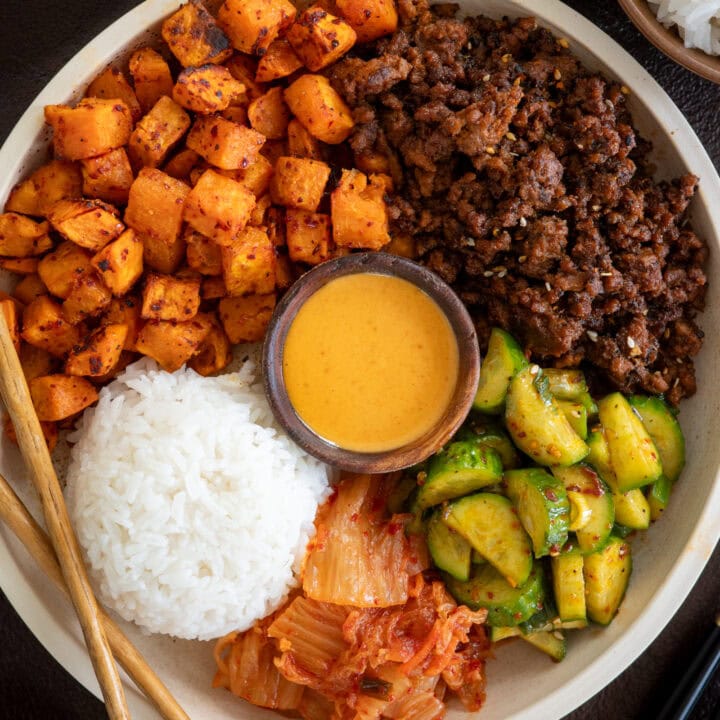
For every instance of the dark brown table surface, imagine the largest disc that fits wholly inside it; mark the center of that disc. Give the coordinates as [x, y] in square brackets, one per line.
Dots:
[37, 37]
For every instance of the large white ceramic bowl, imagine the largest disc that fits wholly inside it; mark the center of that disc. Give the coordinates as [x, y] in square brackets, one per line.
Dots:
[668, 558]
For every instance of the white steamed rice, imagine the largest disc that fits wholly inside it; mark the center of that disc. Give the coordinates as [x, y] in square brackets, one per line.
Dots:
[192, 508]
[698, 21]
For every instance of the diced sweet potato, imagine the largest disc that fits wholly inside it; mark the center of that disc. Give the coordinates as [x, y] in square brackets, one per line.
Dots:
[30, 287]
[273, 150]
[252, 25]
[57, 397]
[249, 263]
[213, 288]
[371, 19]
[206, 89]
[157, 133]
[111, 84]
[91, 224]
[180, 165]
[218, 207]
[308, 236]
[319, 108]
[45, 326]
[125, 311]
[120, 263]
[170, 298]
[124, 360]
[299, 182]
[301, 143]
[108, 177]
[9, 310]
[52, 182]
[151, 76]
[245, 319]
[262, 205]
[244, 69]
[171, 344]
[402, 245]
[49, 429]
[155, 205]
[194, 37]
[223, 143]
[20, 266]
[60, 268]
[99, 352]
[203, 254]
[275, 224]
[93, 127]
[370, 161]
[269, 114]
[89, 297]
[161, 255]
[285, 272]
[279, 61]
[36, 361]
[214, 352]
[256, 176]
[320, 38]
[359, 214]
[21, 236]
[236, 113]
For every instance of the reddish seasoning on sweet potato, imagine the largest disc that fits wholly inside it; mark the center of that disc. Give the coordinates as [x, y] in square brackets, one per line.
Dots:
[57, 397]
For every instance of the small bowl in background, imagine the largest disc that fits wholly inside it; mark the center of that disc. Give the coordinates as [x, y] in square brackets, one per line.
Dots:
[468, 371]
[669, 41]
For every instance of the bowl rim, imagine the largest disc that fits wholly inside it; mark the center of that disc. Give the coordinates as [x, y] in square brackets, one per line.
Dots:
[67, 648]
[377, 263]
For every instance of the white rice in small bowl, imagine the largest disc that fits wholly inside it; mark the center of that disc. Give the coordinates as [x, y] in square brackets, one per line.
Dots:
[192, 508]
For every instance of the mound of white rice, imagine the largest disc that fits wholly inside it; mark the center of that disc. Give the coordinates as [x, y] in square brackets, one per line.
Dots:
[192, 508]
[698, 21]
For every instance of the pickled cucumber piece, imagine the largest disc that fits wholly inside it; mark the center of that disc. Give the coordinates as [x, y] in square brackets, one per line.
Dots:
[489, 523]
[537, 424]
[607, 574]
[569, 586]
[449, 550]
[659, 496]
[489, 433]
[552, 643]
[577, 416]
[542, 506]
[570, 385]
[503, 360]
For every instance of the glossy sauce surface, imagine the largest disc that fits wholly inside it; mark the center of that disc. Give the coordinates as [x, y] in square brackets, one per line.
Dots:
[370, 362]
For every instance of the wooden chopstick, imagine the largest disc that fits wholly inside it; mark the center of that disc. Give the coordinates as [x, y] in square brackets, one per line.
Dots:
[36, 542]
[16, 396]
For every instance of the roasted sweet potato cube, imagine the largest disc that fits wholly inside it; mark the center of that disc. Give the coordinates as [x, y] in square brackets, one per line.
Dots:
[359, 214]
[299, 182]
[279, 61]
[301, 143]
[223, 143]
[252, 25]
[57, 397]
[111, 84]
[171, 344]
[203, 254]
[98, 353]
[21, 236]
[370, 161]
[157, 133]
[45, 326]
[108, 177]
[319, 108]
[52, 182]
[165, 257]
[124, 311]
[151, 76]
[93, 127]
[249, 263]
[262, 205]
[320, 38]
[9, 310]
[218, 207]
[170, 298]
[155, 205]
[30, 287]
[214, 352]
[245, 319]
[194, 37]
[213, 288]
[60, 268]
[244, 69]
[36, 361]
[256, 176]
[308, 236]
[120, 263]
[20, 266]
[91, 224]
[371, 19]
[181, 164]
[206, 89]
[402, 245]
[269, 114]
[236, 113]
[89, 297]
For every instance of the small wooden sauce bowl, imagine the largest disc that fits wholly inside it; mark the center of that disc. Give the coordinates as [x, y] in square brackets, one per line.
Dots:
[468, 371]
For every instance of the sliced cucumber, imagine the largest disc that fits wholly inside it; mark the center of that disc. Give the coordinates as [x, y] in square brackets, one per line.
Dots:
[659, 496]
[551, 642]
[503, 360]
[461, 468]
[581, 478]
[542, 506]
[537, 424]
[498, 633]
[449, 550]
[490, 524]
[569, 586]
[570, 385]
[506, 605]
[488, 432]
[607, 574]
[633, 455]
[476, 558]
[577, 416]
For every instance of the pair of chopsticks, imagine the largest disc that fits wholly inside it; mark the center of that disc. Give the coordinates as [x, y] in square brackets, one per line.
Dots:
[59, 554]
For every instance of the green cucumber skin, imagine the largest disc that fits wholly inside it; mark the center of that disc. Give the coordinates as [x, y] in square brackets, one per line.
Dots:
[490, 434]
[542, 506]
[569, 586]
[449, 551]
[552, 643]
[536, 423]
[607, 574]
[577, 416]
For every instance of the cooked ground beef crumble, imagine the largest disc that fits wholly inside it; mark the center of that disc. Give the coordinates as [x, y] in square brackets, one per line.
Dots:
[520, 176]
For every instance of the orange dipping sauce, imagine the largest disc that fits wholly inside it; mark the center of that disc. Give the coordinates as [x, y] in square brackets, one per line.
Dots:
[370, 362]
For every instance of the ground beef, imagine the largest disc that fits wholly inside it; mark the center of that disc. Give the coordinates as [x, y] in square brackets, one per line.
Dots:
[522, 181]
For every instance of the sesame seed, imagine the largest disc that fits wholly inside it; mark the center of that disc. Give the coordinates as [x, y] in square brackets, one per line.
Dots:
[563, 42]
[548, 286]
[502, 274]
[522, 258]
[677, 382]
[605, 274]
[630, 343]
[470, 242]
[496, 232]
[499, 268]
[625, 90]
[595, 208]
[469, 46]
[557, 635]
[534, 369]
[486, 78]
[488, 273]
[609, 104]
[592, 335]
[666, 334]
[506, 57]
[579, 146]
[557, 74]
[523, 222]
[490, 150]
[510, 136]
